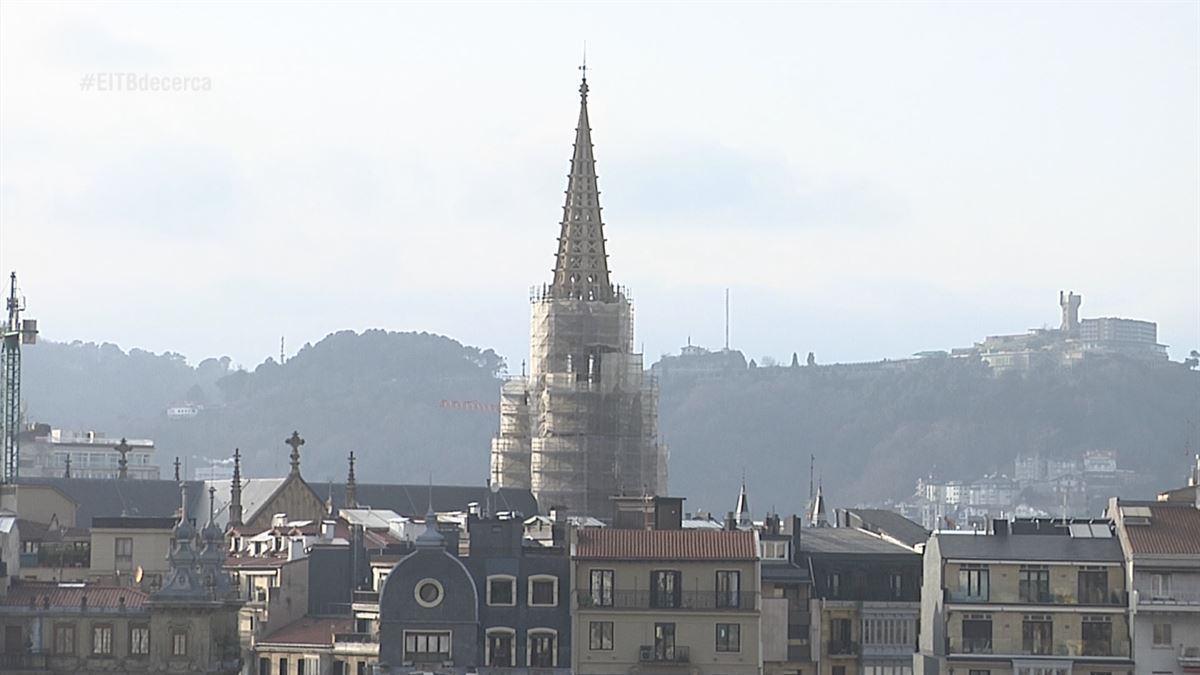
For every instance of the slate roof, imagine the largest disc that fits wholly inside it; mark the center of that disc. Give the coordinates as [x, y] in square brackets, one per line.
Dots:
[413, 500]
[1174, 529]
[256, 492]
[847, 541]
[882, 521]
[106, 497]
[71, 596]
[1028, 548]
[310, 630]
[613, 544]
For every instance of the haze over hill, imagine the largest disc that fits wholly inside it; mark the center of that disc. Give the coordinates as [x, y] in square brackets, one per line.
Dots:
[415, 404]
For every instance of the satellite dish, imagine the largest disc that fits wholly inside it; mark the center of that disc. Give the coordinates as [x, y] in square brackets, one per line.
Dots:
[137, 576]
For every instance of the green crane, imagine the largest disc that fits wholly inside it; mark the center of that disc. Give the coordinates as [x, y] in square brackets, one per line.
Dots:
[17, 332]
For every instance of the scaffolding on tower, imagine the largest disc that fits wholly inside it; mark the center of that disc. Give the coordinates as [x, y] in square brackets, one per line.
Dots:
[17, 332]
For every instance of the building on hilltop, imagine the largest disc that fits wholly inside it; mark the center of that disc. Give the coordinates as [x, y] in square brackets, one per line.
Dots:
[582, 427]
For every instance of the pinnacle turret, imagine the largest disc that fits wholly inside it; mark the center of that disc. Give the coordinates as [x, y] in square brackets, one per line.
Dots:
[581, 266]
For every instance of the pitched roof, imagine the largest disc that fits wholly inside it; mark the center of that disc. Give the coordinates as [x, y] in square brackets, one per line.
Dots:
[613, 544]
[256, 492]
[847, 540]
[890, 523]
[310, 630]
[1174, 529]
[70, 596]
[1028, 547]
[106, 497]
[412, 501]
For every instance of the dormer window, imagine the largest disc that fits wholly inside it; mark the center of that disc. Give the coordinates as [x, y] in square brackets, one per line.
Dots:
[773, 550]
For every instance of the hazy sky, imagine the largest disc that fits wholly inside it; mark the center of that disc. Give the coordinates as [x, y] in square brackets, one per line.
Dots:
[869, 179]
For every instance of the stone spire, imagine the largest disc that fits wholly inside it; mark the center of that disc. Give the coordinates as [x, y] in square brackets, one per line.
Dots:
[212, 554]
[182, 580]
[351, 486]
[67, 473]
[176, 469]
[744, 520]
[581, 267]
[819, 518]
[235, 491]
[123, 462]
[295, 441]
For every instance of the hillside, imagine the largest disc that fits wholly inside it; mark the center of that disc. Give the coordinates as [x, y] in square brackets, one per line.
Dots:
[413, 404]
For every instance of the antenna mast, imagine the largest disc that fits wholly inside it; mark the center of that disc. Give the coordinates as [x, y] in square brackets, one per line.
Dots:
[16, 333]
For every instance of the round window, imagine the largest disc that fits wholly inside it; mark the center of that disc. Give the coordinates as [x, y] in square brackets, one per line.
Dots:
[428, 592]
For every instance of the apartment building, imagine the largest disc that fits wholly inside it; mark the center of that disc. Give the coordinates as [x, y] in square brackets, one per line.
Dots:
[1161, 544]
[1031, 597]
[666, 601]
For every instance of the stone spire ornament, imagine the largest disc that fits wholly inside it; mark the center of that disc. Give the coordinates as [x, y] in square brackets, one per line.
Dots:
[235, 491]
[295, 441]
[123, 462]
[351, 486]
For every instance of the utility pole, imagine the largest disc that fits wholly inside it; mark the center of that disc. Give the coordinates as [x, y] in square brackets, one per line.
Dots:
[16, 332]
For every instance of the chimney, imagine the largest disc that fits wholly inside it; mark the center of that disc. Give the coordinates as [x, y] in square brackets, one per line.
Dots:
[730, 521]
[295, 549]
[279, 520]
[327, 529]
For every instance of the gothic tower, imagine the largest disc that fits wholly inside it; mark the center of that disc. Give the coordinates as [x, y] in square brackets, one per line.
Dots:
[582, 427]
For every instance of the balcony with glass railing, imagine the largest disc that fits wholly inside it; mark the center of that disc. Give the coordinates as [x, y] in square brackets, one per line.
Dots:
[1113, 648]
[685, 600]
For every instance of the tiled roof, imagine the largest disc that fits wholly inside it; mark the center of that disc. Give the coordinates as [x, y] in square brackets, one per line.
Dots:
[1174, 529]
[71, 596]
[611, 543]
[310, 630]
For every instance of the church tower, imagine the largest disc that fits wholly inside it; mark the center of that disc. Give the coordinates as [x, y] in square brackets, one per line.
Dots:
[582, 426]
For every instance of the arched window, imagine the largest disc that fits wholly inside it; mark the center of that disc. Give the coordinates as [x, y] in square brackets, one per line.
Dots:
[500, 647]
[542, 649]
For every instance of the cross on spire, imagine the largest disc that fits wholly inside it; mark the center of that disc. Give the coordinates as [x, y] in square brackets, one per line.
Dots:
[123, 462]
[351, 486]
[295, 441]
[67, 474]
[176, 468]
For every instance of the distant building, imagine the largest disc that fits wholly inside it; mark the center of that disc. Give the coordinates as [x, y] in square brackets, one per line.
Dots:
[46, 453]
[697, 362]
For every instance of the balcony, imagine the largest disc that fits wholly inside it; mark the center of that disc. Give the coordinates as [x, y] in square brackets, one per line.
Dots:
[1114, 649]
[356, 638]
[1189, 657]
[688, 600]
[366, 597]
[664, 655]
[843, 648]
[1148, 599]
[1094, 599]
[19, 662]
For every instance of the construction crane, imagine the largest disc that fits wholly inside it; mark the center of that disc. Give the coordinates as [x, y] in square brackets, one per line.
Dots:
[17, 332]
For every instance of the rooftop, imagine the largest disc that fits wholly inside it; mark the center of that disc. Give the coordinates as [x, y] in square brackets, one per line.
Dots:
[1028, 547]
[845, 540]
[1173, 528]
[310, 630]
[71, 596]
[892, 524]
[613, 544]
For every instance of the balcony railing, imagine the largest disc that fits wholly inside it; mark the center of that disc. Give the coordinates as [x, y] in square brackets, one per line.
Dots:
[366, 597]
[1093, 599]
[1148, 597]
[1189, 657]
[22, 662]
[1020, 647]
[687, 600]
[843, 648]
[356, 638]
[662, 654]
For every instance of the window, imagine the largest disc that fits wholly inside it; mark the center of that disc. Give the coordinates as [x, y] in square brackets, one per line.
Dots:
[283, 665]
[339, 667]
[664, 642]
[896, 584]
[139, 640]
[979, 672]
[835, 584]
[1160, 586]
[308, 665]
[839, 636]
[500, 648]
[179, 645]
[889, 631]
[729, 637]
[600, 635]
[1033, 583]
[1037, 634]
[665, 589]
[64, 639]
[543, 648]
[102, 635]
[264, 666]
[300, 669]
[601, 588]
[1097, 635]
[123, 547]
[428, 592]
[1093, 586]
[774, 550]
[839, 670]
[729, 586]
[501, 591]
[1162, 635]
[543, 591]
[427, 645]
[977, 633]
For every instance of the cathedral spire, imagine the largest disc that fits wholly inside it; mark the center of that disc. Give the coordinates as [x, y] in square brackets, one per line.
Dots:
[351, 486]
[235, 491]
[581, 266]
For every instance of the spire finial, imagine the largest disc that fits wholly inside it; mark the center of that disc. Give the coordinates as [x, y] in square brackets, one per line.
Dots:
[295, 441]
[123, 461]
[583, 88]
[68, 471]
[176, 468]
[212, 504]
